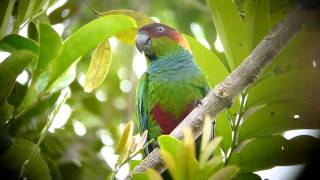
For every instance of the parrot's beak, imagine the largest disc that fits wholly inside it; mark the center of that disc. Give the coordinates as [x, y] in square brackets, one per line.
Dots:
[143, 42]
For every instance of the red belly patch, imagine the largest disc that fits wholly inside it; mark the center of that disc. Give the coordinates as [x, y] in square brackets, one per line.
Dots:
[166, 120]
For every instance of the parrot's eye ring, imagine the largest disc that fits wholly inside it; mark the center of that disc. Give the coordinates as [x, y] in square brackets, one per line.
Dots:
[160, 28]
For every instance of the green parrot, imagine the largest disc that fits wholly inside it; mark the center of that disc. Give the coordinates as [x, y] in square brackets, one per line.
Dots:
[173, 83]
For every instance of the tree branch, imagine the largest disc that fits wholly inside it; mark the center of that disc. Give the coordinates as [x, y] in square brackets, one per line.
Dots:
[221, 97]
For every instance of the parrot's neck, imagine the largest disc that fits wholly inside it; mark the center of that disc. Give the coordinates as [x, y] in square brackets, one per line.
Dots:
[179, 65]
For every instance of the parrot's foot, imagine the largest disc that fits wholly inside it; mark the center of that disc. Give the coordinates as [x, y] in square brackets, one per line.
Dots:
[155, 144]
[197, 103]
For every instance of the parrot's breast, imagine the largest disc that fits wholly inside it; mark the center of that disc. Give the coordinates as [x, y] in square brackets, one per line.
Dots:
[174, 87]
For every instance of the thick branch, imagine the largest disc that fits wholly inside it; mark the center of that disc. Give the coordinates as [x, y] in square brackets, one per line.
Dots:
[221, 97]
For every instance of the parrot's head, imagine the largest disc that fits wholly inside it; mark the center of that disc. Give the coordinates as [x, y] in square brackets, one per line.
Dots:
[156, 40]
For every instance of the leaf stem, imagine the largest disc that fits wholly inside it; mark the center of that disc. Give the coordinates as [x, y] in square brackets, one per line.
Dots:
[236, 126]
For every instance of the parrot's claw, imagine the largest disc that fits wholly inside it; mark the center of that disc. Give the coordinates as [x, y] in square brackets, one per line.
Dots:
[197, 103]
[155, 144]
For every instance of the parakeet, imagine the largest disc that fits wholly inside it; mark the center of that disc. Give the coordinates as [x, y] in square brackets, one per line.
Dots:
[173, 83]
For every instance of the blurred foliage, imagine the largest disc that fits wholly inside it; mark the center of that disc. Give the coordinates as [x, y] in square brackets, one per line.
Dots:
[52, 47]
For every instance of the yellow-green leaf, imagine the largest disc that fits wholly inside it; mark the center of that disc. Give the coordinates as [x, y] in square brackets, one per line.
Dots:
[225, 173]
[99, 66]
[209, 149]
[125, 141]
[169, 161]
[153, 174]
[206, 132]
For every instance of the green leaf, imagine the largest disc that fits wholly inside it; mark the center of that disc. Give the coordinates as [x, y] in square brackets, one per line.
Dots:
[5, 14]
[10, 69]
[133, 164]
[257, 19]
[33, 32]
[255, 155]
[208, 151]
[99, 66]
[14, 42]
[246, 176]
[14, 158]
[223, 129]
[169, 144]
[231, 30]
[86, 38]
[25, 10]
[280, 117]
[302, 86]
[50, 46]
[208, 61]
[225, 173]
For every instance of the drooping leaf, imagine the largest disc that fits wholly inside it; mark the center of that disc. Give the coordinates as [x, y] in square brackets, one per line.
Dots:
[128, 36]
[255, 155]
[125, 142]
[231, 30]
[18, 153]
[225, 173]
[99, 66]
[208, 61]
[11, 68]
[50, 46]
[14, 42]
[84, 41]
[279, 117]
[302, 86]
[257, 19]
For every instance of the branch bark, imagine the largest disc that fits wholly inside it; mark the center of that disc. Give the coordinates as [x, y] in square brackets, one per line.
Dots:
[221, 97]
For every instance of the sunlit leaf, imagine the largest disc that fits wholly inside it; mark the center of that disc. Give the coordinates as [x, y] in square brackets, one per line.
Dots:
[125, 142]
[83, 40]
[153, 174]
[280, 117]
[142, 140]
[225, 173]
[128, 36]
[208, 151]
[170, 163]
[14, 42]
[99, 66]
[50, 46]
[18, 153]
[208, 61]
[169, 144]
[267, 152]
[206, 133]
[231, 30]
[11, 68]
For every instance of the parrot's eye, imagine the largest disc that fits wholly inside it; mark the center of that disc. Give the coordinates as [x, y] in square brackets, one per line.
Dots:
[160, 28]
